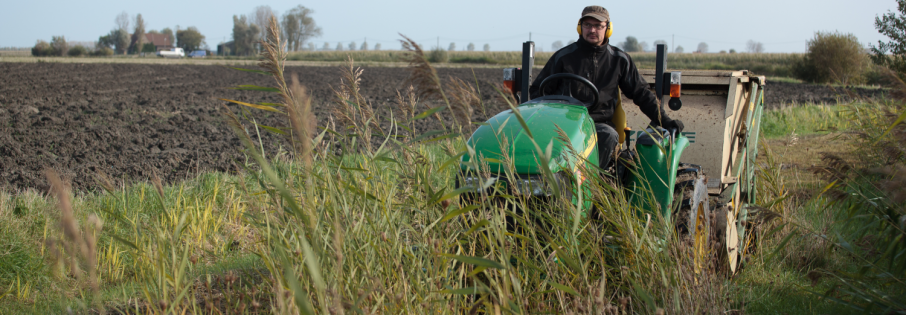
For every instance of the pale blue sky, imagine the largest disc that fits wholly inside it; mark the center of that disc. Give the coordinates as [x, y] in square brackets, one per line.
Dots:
[783, 26]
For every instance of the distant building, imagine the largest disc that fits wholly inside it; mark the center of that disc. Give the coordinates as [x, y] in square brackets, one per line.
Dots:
[160, 41]
[227, 48]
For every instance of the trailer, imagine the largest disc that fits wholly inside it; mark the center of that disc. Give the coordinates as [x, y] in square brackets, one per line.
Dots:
[722, 112]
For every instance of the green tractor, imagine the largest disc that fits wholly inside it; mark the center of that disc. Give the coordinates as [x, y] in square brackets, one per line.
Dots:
[544, 146]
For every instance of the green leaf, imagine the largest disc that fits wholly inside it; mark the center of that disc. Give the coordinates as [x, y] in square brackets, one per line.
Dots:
[272, 129]
[261, 107]
[452, 159]
[500, 129]
[476, 261]
[782, 244]
[427, 135]
[564, 288]
[252, 71]
[247, 87]
[478, 225]
[428, 113]
[649, 300]
[386, 159]
[456, 212]
[125, 242]
[301, 295]
[889, 129]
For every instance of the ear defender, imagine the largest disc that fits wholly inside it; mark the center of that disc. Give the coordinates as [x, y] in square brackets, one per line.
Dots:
[609, 29]
[606, 35]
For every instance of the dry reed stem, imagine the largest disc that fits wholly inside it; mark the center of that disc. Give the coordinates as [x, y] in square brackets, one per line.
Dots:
[407, 102]
[422, 75]
[353, 108]
[464, 99]
[80, 247]
[296, 100]
[302, 120]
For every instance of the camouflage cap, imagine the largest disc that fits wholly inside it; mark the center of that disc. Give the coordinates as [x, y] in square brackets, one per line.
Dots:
[597, 12]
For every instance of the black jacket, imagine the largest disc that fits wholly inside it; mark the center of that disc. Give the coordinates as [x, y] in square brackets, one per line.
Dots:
[608, 68]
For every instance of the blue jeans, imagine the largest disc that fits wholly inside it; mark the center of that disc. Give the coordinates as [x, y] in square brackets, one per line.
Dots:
[607, 143]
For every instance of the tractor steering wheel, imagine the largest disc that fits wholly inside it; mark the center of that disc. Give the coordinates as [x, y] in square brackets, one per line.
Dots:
[570, 76]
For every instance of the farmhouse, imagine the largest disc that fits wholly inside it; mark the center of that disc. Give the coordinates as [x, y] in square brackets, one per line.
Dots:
[160, 41]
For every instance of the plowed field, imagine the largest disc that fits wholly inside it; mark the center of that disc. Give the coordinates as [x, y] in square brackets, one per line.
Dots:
[133, 120]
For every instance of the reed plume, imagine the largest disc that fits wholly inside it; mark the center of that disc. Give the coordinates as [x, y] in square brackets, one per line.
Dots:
[422, 75]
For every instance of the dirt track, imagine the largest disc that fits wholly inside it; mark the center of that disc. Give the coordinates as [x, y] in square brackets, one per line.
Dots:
[133, 120]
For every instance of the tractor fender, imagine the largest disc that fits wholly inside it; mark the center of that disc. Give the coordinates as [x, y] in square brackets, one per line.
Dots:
[655, 175]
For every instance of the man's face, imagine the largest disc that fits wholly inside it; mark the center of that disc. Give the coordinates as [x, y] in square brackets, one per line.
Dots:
[593, 31]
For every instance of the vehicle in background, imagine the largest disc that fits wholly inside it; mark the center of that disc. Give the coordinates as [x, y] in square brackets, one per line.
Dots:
[198, 54]
[172, 53]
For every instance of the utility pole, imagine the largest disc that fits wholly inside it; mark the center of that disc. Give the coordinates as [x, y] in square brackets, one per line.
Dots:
[672, 38]
[530, 36]
[438, 42]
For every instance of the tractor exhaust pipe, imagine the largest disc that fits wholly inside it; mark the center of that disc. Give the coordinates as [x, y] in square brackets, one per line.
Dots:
[660, 68]
[528, 61]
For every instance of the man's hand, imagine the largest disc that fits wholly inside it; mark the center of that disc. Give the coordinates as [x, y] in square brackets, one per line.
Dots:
[674, 124]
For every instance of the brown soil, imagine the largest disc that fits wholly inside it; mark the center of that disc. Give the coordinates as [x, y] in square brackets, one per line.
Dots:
[133, 120]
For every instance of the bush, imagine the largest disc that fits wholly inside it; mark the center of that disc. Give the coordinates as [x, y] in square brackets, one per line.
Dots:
[41, 49]
[77, 51]
[438, 55]
[832, 57]
[103, 51]
[60, 47]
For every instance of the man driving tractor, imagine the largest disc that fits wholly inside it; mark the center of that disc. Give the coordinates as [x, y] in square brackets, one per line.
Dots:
[611, 70]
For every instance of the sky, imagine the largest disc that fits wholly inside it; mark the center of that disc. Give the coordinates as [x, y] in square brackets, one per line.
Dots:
[781, 26]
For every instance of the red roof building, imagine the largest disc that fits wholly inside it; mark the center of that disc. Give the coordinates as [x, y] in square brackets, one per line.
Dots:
[160, 41]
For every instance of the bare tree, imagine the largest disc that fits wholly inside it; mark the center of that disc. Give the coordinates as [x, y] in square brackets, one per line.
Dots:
[377, 46]
[299, 27]
[487, 47]
[556, 45]
[754, 47]
[326, 46]
[261, 16]
[702, 47]
[643, 46]
[678, 49]
[364, 46]
[122, 21]
[339, 47]
[452, 47]
[138, 35]
[470, 47]
[351, 45]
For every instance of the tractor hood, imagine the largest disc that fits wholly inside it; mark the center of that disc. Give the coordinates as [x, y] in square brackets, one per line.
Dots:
[503, 134]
